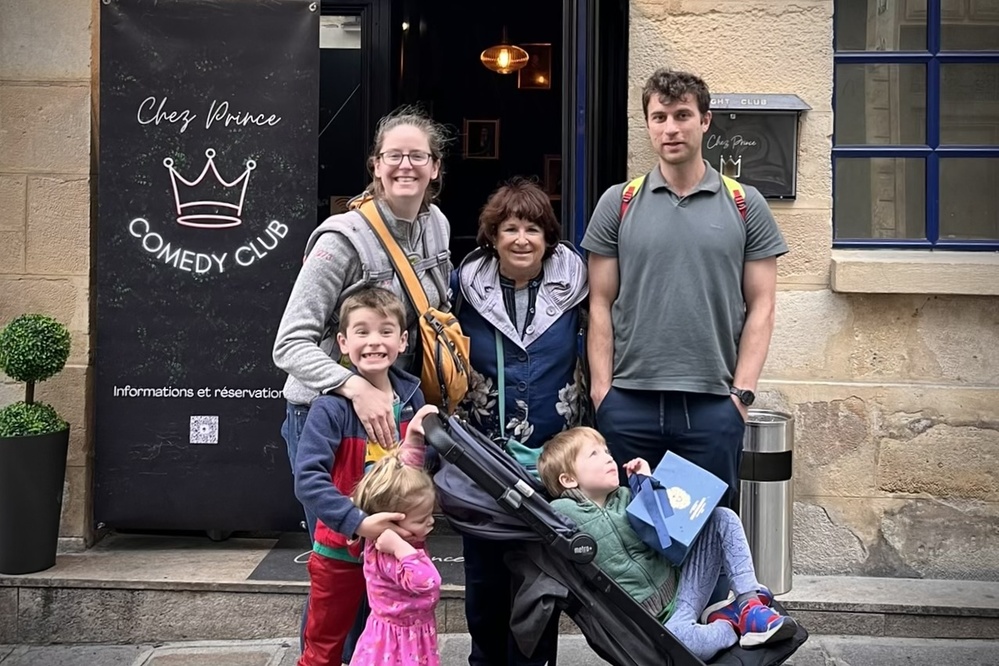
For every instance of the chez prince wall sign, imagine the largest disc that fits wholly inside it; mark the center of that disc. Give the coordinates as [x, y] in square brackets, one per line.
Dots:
[206, 189]
[754, 138]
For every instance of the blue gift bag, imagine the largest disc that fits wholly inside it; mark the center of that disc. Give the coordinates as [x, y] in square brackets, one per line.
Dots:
[693, 494]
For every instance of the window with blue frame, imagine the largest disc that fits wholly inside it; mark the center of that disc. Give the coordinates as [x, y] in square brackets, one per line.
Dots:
[916, 136]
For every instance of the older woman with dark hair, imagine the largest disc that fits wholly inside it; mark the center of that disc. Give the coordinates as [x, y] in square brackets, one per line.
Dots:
[518, 298]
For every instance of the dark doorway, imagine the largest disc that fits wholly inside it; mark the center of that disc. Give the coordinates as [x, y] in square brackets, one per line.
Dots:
[562, 120]
[503, 125]
[355, 89]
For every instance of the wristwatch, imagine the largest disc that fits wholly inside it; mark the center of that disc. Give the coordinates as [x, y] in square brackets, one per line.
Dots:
[745, 396]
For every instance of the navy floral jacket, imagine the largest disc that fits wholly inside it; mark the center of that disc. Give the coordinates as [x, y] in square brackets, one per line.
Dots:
[542, 368]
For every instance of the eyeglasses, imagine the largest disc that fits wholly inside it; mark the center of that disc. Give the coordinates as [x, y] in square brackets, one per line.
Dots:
[394, 158]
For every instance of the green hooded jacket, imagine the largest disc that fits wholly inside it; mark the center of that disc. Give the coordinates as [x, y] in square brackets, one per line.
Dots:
[642, 572]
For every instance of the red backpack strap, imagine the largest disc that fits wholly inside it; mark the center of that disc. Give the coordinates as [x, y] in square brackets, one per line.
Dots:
[630, 190]
[738, 195]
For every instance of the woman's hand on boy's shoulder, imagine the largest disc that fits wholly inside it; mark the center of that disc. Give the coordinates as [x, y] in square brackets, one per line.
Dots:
[373, 408]
[638, 466]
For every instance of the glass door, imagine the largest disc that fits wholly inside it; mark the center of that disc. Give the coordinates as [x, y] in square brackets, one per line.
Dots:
[342, 147]
[354, 92]
[595, 101]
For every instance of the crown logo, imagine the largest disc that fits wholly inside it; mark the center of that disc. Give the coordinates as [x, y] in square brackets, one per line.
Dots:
[213, 204]
[730, 167]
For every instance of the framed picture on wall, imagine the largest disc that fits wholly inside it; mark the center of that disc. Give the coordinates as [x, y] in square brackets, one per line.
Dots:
[338, 203]
[537, 73]
[481, 139]
[553, 177]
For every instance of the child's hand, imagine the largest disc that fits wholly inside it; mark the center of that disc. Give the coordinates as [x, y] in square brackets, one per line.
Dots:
[414, 447]
[390, 542]
[374, 525]
[638, 466]
[414, 431]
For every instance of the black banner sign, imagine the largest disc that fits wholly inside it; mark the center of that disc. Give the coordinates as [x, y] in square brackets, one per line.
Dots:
[207, 188]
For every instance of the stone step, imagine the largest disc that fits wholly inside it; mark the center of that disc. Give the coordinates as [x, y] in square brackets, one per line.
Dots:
[141, 589]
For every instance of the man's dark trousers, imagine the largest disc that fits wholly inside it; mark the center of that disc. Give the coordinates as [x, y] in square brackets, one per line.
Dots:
[704, 428]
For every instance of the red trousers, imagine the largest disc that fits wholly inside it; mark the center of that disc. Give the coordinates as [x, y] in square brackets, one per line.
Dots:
[337, 588]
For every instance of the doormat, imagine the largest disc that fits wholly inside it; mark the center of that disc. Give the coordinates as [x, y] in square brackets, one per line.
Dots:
[286, 560]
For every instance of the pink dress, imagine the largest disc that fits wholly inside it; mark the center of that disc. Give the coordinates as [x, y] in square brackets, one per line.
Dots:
[402, 627]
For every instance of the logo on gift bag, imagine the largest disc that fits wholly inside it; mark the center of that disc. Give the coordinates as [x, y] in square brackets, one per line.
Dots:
[679, 498]
[700, 506]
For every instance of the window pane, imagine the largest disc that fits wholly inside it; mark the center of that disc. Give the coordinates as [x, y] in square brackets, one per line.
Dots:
[880, 198]
[970, 27]
[969, 104]
[873, 25]
[880, 104]
[969, 208]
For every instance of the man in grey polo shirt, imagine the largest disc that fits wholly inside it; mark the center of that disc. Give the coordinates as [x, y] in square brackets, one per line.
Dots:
[682, 295]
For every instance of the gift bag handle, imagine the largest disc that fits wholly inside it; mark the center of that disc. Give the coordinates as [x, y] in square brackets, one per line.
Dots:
[652, 495]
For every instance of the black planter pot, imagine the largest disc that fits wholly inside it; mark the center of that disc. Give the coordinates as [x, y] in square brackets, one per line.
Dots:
[32, 473]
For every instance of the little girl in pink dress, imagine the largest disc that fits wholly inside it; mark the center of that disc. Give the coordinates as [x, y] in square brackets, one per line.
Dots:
[403, 584]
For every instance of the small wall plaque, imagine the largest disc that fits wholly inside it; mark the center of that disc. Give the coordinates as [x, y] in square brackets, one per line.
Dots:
[754, 138]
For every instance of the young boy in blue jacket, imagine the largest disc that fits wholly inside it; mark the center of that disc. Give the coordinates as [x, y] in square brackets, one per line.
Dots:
[333, 455]
[578, 470]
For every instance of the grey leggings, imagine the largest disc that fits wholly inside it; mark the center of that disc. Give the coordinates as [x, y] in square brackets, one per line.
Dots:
[722, 542]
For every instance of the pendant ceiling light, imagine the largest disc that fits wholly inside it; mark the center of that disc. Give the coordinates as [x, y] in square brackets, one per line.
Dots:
[504, 58]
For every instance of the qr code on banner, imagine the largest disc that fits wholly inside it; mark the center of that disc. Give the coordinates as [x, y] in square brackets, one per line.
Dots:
[204, 430]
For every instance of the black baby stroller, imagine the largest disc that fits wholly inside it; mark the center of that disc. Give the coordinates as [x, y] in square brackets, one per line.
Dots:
[485, 493]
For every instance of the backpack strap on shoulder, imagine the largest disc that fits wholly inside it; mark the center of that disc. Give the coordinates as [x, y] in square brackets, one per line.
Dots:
[369, 248]
[630, 190]
[438, 246]
[738, 195]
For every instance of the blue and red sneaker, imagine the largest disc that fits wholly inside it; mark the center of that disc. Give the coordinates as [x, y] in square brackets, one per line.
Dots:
[728, 609]
[759, 625]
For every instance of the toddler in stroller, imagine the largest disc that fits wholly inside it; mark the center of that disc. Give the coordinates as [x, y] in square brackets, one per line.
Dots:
[484, 492]
[578, 470]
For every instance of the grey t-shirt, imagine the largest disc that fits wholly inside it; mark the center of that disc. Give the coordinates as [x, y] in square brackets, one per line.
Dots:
[679, 312]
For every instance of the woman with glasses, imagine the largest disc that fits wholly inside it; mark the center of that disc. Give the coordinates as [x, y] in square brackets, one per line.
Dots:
[341, 256]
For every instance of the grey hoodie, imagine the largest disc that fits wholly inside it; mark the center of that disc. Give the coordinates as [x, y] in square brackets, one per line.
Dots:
[305, 346]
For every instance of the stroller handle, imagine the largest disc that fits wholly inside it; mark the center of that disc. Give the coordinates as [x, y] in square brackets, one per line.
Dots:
[433, 426]
[579, 547]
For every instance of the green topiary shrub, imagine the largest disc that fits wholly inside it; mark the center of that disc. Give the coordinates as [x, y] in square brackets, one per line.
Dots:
[32, 348]
[22, 419]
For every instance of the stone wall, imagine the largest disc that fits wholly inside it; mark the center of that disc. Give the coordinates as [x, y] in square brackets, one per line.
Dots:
[896, 398]
[45, 207]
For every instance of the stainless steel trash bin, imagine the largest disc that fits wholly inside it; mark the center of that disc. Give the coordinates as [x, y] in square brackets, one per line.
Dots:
[766, 495]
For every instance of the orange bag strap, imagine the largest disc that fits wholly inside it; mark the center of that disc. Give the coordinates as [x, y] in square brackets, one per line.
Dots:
[403, 268]
[630, 190]
[735, 191]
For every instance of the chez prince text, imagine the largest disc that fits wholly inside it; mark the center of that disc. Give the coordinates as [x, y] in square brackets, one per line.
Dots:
[155, 111]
